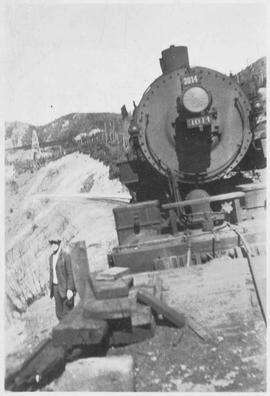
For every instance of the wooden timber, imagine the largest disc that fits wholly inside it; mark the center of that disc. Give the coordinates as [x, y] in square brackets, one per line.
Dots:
[171, 314]
[114, 308]
[108, 289]
[80, 267]
[76, 330]
[46, 363]
[112, 273]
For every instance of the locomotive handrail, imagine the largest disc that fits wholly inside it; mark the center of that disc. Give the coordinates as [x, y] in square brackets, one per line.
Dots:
[215, 198]
[157, 160]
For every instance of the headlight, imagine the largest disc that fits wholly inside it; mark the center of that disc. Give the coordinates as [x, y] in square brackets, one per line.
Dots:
[196, 99]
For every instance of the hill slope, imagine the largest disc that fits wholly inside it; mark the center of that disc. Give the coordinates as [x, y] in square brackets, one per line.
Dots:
[50, 201]
[63, 129]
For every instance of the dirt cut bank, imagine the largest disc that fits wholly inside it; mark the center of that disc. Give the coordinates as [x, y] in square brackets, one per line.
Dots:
[51, 201]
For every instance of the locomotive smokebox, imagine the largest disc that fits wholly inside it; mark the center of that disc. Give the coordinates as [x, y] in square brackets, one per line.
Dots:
[173, 58]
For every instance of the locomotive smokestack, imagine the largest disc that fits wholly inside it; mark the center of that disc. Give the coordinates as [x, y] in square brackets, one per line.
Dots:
[173, 58]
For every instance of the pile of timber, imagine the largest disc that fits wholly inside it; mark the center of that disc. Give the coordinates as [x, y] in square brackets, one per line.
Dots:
[107, 314]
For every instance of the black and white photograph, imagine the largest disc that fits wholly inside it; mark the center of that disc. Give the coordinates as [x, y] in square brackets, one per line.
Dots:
[134, 190]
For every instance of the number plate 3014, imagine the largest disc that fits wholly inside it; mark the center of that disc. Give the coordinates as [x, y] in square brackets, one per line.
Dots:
[198, 121]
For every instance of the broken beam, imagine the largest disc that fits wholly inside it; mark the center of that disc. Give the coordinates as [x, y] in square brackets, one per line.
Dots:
[177, 318]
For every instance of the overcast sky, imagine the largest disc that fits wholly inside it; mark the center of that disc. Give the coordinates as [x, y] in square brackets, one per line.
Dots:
[64, 58]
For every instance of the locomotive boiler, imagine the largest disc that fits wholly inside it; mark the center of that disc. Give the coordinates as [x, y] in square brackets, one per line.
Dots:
[191, 137]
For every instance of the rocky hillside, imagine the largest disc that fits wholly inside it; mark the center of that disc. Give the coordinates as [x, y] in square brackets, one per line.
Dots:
[253, 77]
[64, 129]
[51, 201]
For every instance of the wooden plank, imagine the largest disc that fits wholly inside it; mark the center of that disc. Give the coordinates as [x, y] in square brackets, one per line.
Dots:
[108, 289]
[76, 330]
[115, 308]
[80, 266]
[112, 273]
[177, 318]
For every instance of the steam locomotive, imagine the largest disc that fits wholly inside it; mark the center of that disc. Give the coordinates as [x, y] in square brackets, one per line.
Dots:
[192, 136]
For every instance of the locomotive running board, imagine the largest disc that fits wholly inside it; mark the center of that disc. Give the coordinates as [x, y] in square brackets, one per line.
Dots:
[171, 252]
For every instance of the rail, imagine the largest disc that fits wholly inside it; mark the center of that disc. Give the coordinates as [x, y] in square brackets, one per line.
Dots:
[215, 198]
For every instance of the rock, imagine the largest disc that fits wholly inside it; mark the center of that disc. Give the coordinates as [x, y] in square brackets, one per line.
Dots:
[106, 374]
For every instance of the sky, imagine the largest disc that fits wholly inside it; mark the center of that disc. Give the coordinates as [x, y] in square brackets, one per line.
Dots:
[63, 57]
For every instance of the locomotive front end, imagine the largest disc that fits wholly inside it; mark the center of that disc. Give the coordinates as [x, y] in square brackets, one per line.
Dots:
[192, 136]
[193, 122]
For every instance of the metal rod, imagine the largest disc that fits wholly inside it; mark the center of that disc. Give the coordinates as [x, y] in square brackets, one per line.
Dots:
[249, 256]
[215, 198]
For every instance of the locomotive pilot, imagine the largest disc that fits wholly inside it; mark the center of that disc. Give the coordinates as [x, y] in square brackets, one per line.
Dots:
[61, 282]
